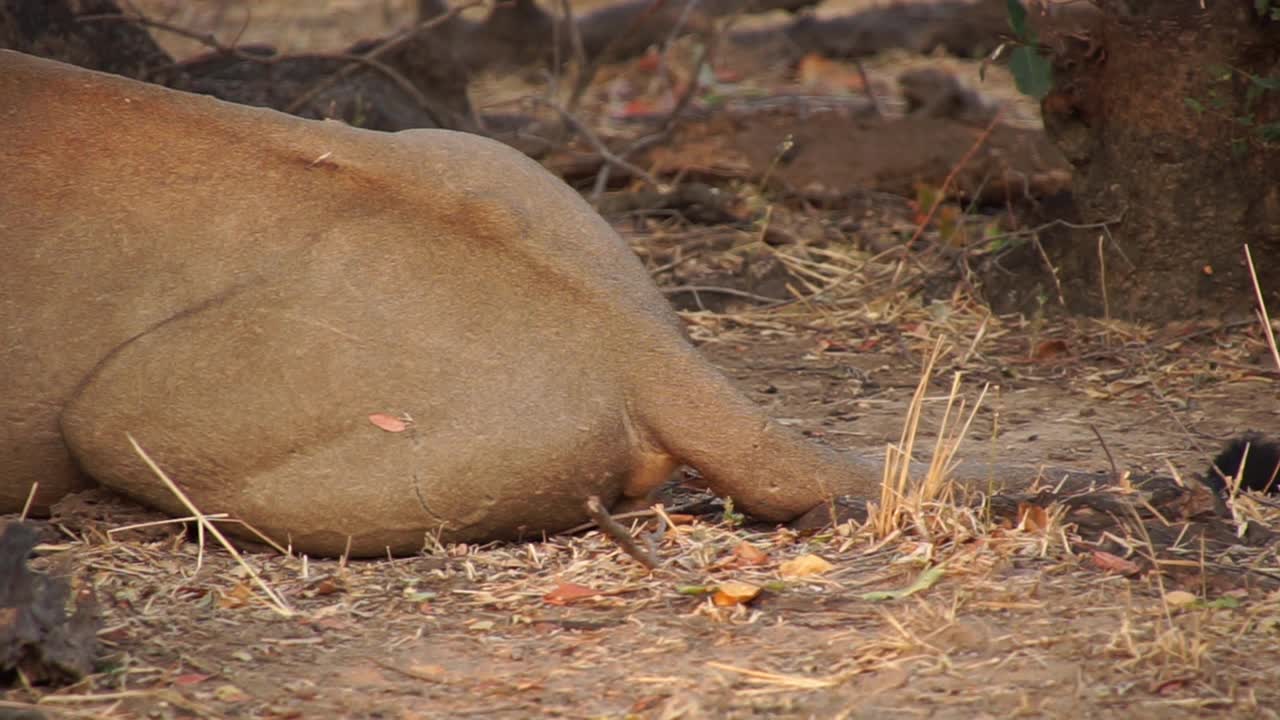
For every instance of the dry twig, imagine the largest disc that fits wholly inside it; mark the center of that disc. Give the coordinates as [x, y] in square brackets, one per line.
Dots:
[620, 534]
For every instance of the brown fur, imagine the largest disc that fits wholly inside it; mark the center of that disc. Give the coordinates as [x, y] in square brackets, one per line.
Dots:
[241, 289]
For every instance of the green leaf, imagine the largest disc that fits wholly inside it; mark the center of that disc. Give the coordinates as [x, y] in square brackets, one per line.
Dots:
[1032, 72]
[693, 589]
[1218, 70]
[1017, 19]
[1264, 83]
[1194, 104]
[926, 580]
[1251, 95]
[1270, 132]
[1261, 6]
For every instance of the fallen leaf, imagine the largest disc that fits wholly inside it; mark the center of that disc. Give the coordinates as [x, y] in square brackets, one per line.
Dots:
[481, 625]
[1170, 687]
[923, 581]
[748, 554]
[1032, 517]
[1112, 563]
[236, 597]
[1050, 349]
[1179, 598]
[647, 702]
[820, 73]
[804, 566]
[326, 586]
[230, 694]
[734, 593]
[565, 593]
[390, 423]
[426, 672]
[190, 679]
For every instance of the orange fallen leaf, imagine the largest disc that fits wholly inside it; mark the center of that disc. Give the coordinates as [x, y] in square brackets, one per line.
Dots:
[748, 554]
[1113, 563]
[818, 72]
[1171, 687]
[1032, 517]
[390, 423]
[804, 566]
[732, 593]
[565, 593]
[236, 597]
[1050, 349]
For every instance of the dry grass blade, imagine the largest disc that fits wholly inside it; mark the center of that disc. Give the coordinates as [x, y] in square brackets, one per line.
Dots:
[166, 521]
[31, 497]
[277, 602]
[1262, 309]
[769, 678]
[897, 461]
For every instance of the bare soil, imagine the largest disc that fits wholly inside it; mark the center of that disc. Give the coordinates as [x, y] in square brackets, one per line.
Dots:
[572, 627]
[1002, 620]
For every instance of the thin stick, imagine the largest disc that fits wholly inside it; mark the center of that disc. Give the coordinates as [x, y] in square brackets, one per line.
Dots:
[166, 521]
[866, 88]
[1115, 471]
[370, 58]
[1262, 308]
[717, 290]
[620, 534]
[1102, 280]
[276, 601]
[951, 176]
[601, 149]
[31, 498]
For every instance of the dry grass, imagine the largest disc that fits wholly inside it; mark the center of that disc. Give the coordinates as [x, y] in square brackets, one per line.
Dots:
[931, 607]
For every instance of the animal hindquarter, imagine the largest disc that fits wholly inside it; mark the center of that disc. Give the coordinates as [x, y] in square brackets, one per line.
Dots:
[240, 290]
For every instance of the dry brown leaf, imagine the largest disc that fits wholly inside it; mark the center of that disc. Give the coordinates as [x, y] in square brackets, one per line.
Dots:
[427, 672]
[236, 597]
[390, 423]
[734, 593]
[1050, 349]
[1179, 598]
[1033, 518]
[804, 566]
[748, 554]
[1113, 563]
[565, 593]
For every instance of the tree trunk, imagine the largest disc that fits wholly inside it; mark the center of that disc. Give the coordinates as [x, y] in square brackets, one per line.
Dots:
[1171, 116]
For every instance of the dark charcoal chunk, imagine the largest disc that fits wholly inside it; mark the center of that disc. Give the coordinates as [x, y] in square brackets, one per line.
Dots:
[1262, 468]
[37, 637]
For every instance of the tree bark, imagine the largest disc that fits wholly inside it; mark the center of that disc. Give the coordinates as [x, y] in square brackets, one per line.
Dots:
[1163, 110]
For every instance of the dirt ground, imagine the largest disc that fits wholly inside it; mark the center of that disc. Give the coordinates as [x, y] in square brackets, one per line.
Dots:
[1018, 624]
[952, 615]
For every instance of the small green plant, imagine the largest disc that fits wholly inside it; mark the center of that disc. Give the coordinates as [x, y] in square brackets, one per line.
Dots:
[1220, 101]
[731, 517]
